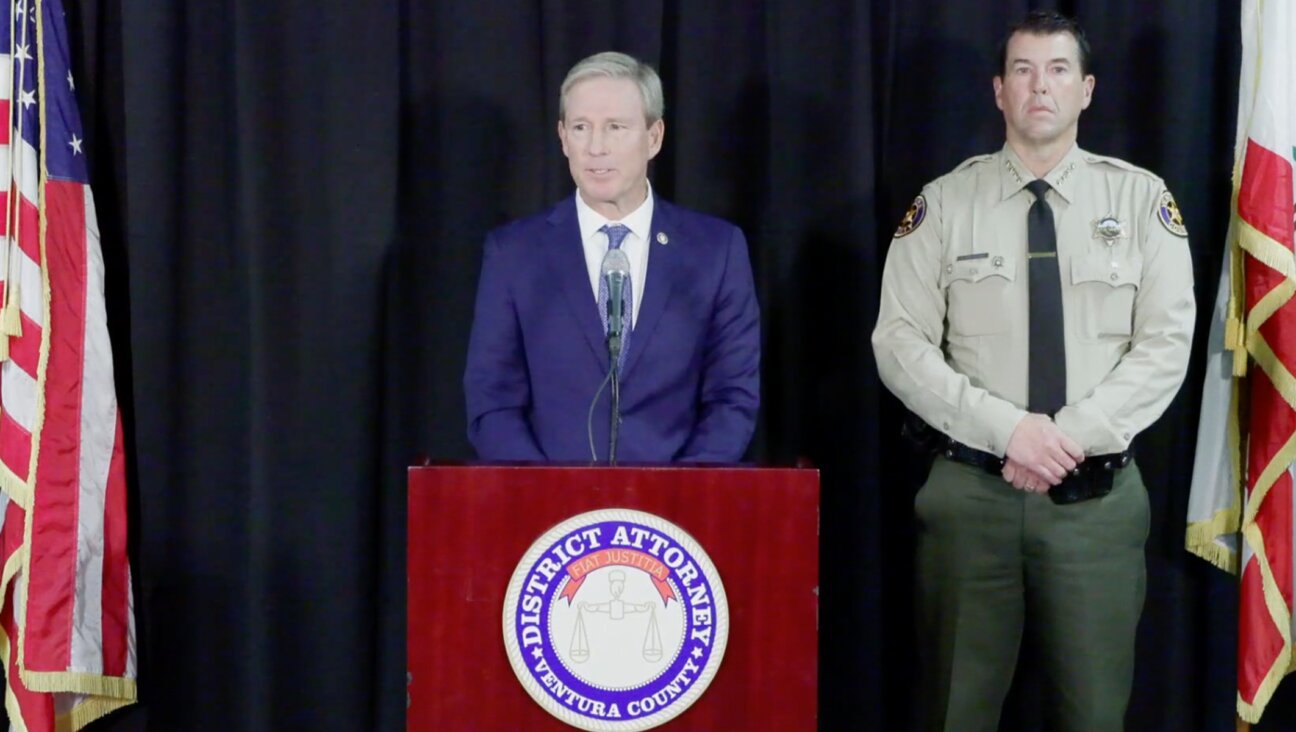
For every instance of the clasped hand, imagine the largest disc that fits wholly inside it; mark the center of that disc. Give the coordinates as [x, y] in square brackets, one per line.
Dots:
[1039, 455]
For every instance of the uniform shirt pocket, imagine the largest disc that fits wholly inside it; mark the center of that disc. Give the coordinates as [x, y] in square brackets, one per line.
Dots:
[977, 293]
[1105, 286]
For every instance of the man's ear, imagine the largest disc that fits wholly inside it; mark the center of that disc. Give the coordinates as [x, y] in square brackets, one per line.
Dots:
[656, 133]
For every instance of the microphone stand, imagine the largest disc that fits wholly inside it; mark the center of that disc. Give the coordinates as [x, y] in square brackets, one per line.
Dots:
[616, 274]
[614, 351]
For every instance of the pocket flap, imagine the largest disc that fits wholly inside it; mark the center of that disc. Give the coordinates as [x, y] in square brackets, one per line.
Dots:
[975, 270]
[1112, 271]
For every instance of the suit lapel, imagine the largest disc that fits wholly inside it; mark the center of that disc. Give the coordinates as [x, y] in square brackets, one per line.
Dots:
[566, 259]
[662, 273]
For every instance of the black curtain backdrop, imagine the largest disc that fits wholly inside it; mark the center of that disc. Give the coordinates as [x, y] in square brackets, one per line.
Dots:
[293, 196]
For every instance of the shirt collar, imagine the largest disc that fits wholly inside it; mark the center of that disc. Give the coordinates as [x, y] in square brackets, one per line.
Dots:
[638, 221]
[1014, 174]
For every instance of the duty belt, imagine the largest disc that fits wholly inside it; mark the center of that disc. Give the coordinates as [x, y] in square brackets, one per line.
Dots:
[1091, 478]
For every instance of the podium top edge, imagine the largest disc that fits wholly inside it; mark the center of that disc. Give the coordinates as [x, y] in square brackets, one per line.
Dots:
[622, 467]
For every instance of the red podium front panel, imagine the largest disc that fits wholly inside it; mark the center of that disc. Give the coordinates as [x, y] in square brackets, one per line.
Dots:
[470, 525]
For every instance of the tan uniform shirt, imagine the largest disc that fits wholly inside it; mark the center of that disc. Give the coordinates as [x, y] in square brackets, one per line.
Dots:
[952, 330]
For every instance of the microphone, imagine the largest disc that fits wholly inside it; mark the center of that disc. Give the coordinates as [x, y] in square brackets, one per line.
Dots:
[616, 272]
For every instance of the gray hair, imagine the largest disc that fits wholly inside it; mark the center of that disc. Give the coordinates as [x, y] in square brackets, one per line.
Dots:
[615, 65]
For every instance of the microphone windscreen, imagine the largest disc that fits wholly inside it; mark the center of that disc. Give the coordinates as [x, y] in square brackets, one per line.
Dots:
[615, 261]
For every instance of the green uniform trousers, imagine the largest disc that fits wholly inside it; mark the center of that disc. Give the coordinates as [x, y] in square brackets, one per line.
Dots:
[994, 562]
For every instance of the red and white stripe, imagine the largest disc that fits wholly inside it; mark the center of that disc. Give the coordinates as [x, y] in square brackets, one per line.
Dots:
[20, 174]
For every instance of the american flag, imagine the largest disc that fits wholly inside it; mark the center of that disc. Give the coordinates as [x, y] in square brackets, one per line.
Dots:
[67, 616]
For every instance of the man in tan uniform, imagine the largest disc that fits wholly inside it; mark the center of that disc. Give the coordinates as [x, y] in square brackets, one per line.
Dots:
[1037, 311]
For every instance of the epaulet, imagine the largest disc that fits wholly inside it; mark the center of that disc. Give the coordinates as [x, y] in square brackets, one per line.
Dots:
[1167, 210]
[974, 160]
[1119, 164]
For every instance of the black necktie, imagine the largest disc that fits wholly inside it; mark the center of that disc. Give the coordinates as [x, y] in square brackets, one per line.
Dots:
[1047, 348]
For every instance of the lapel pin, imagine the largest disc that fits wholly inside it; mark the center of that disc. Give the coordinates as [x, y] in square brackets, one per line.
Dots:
[662, 238]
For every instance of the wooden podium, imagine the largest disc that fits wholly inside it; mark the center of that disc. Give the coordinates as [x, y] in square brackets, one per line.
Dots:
[470, 525]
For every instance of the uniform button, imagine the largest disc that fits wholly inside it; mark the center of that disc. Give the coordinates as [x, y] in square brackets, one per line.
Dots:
[945, 426]
[949, 269]
[998, 261]
[1126, 436]
[949, 453]
[1107, 465]
[991, 447]
[1114, 276]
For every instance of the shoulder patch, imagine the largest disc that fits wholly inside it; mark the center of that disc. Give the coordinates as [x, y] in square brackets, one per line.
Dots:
[1169, 216]
[913, 218]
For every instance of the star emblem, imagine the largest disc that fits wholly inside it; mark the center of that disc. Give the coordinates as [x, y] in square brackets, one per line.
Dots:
[75, 142]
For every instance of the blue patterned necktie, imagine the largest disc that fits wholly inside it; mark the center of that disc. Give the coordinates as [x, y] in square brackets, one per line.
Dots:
[616, 234]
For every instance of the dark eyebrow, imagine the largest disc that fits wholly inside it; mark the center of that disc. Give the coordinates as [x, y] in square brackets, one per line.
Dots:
[1058, 60]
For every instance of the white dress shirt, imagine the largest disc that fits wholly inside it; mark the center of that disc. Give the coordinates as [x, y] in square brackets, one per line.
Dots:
[635, 245]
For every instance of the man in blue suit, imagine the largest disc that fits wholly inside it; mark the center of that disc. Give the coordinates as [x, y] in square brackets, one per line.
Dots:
[690, 375]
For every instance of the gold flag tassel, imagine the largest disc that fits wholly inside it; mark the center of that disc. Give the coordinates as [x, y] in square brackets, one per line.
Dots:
[1234, 320]
[11, 315]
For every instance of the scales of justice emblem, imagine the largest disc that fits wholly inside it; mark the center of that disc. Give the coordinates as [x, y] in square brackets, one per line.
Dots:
[615, 620]
[616, 609]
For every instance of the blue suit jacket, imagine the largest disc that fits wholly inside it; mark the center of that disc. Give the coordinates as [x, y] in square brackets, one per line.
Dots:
[690, 387]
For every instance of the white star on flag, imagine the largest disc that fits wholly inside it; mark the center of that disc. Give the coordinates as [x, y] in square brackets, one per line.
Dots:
[75, 142]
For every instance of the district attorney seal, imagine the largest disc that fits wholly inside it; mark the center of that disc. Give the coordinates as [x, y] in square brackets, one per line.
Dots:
[615, 620]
